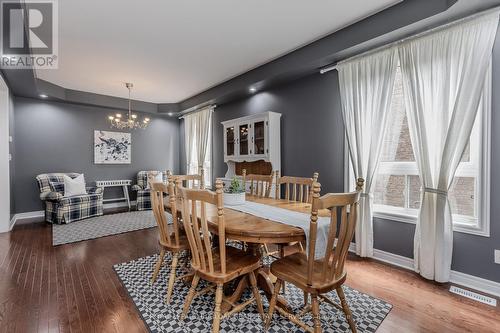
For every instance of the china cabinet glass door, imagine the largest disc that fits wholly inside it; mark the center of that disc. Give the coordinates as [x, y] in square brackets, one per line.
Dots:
[259, 141]
[244, 139]
[230, 141]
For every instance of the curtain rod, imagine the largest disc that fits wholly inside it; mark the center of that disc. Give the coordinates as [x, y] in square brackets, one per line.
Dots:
[412, 37]
[212, 106]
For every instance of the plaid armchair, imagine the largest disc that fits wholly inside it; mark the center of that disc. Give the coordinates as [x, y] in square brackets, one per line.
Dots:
[60, 209]
[143, 193]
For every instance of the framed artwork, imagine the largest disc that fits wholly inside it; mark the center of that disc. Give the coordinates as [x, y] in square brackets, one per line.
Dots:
[112, 147]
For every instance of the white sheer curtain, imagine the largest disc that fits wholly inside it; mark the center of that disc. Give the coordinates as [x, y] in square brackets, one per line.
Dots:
[443, 79]
[197, 133]
[366, 89]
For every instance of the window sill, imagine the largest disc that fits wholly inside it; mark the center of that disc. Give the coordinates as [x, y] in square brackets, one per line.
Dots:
[404, 218]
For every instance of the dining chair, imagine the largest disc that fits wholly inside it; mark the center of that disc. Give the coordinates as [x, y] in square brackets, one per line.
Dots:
[318, 277]
[260, 185]
[296, 188]
[190, 181]
[215, 263]
[171, 238]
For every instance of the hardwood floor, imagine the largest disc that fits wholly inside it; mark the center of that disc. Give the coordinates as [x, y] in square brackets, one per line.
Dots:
[73, 288]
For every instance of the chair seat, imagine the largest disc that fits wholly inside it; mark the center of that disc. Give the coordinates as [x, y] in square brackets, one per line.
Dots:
[238, 263]
[293, 268]
[183, 243]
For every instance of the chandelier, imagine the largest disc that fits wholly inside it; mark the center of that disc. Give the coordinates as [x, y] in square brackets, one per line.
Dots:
[131, 121]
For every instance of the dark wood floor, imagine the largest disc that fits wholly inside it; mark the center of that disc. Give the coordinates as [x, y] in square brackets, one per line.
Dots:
[73, 288]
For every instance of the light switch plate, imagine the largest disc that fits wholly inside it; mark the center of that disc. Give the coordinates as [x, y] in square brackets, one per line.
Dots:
[497, 256]
[10, 138]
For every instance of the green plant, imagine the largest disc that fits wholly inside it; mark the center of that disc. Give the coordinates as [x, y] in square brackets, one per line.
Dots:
[235, 186]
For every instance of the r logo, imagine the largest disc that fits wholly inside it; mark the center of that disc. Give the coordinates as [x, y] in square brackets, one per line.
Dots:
[28, 29]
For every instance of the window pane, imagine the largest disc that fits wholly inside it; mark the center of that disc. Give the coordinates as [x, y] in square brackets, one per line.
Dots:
[414, 192]
[397, 144]
[397, 182]
[390, 190]
[462, 196]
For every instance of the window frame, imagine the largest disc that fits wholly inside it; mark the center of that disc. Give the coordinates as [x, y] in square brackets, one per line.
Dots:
[480, 160]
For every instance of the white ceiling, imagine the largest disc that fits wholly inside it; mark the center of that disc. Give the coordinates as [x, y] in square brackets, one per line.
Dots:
[172, 50]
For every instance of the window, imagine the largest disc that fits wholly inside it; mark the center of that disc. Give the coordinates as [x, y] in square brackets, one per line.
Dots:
[207, 164]
[397, 190]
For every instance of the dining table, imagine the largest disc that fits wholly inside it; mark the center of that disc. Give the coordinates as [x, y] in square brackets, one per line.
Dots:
[254, 231]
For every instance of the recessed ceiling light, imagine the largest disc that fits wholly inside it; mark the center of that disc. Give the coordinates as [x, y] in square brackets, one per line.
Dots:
[170, 114]
[43, 96]
[253, 89]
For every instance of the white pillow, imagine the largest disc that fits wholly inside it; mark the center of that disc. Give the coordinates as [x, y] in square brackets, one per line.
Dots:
[74, 186]
[156, 179]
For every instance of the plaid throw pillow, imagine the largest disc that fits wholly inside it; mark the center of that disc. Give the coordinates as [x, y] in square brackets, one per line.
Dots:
[57, 187]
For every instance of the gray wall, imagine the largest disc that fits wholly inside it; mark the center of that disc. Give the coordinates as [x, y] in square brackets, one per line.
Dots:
[58, 137]
[312, 137]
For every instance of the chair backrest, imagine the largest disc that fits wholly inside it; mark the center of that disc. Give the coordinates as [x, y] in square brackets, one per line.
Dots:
[169, 233]
[335, 253]
[296, 188]
[143, 177]
[44, 180]
[194, 211]
[189, 181]
[260, 185]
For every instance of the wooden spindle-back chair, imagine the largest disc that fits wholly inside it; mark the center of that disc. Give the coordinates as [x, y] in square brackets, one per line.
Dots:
[171, 238]
[196, 181]
[317, 277]
[296, 188]
[260, 185]
[215, 263]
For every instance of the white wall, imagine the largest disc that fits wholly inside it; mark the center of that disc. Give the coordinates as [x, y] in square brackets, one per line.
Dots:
[4, 157]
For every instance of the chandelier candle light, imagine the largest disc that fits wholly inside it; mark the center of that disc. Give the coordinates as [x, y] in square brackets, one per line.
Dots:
[132, 122]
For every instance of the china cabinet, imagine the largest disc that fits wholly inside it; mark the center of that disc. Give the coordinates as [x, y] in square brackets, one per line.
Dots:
[254, 138]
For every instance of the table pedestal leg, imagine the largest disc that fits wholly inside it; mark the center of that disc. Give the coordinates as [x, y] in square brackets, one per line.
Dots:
[264, 282]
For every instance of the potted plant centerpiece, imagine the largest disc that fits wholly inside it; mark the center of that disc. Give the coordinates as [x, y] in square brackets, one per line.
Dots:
[234, 194]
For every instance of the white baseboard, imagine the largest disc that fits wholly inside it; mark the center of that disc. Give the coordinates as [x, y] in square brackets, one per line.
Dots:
[477, 283]
[40, 214]
[459, 278]
[393, 259]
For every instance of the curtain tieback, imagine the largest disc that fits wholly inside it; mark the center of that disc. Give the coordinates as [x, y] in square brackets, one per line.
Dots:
[366, 195]
[436, 191]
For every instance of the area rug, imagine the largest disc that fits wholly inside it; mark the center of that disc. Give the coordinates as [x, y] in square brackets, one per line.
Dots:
[159, 317]
[101, 226]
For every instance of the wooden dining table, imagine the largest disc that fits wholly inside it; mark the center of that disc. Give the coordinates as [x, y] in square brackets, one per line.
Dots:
[254, 230]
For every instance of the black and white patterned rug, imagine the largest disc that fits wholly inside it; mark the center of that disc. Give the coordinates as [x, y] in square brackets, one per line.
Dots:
[159, 317]
[101, 226]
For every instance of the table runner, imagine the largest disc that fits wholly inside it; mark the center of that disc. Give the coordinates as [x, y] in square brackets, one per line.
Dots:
[292, 218]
